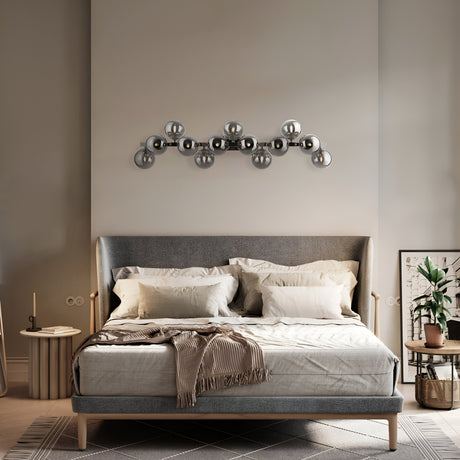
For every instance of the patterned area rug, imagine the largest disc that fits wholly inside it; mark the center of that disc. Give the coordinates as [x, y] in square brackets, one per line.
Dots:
[55, 438]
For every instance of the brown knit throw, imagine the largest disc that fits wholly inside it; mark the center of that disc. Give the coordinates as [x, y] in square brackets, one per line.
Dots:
[207, 358]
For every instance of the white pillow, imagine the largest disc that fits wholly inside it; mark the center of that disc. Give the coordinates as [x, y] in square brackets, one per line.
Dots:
[252, 281]
[257, 265]
[302, 301]
[128, 291]
[124, 272]
[341, 272]
[180, 302]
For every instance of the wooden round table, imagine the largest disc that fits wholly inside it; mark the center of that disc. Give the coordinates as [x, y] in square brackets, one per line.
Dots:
[49, 364]
[451, 348]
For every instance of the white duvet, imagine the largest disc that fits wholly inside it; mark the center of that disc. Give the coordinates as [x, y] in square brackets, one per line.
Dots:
[306, 357]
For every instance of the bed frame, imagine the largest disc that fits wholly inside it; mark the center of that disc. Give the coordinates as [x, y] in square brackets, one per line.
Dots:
[208, 251]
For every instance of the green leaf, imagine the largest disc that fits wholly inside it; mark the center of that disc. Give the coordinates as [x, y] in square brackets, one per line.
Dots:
[424, 273]
[436, 275]
[424, 296]
[429, 264]
[448, 298]
[443, 283]
[443, 325]
[421, 316]
[438, 296]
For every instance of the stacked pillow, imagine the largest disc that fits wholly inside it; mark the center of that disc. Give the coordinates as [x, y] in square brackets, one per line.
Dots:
[206, 291]
[321, 289]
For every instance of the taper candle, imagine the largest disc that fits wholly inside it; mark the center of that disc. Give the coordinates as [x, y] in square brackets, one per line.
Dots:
[34, 308]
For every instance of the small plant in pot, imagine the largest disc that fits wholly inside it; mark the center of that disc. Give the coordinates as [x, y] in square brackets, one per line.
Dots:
[432, 305]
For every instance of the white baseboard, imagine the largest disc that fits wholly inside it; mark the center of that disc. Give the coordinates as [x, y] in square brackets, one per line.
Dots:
[17, 369]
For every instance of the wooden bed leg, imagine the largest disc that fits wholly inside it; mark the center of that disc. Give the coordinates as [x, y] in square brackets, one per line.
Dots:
[92, 312]
[393, 431]
[82, 431]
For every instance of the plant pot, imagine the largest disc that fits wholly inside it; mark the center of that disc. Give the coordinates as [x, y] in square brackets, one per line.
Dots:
[434, 336]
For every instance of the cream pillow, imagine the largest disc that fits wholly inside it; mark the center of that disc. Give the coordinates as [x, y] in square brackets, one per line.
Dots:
[302, 301]
[180, 302]
[128, 291]
[125, 272]
[325, 266]
[252, 281]
[338, 271]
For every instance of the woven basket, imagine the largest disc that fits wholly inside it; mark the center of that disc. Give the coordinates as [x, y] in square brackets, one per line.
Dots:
[437, 393]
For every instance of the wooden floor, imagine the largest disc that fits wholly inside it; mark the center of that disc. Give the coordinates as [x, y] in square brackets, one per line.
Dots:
[17, 412]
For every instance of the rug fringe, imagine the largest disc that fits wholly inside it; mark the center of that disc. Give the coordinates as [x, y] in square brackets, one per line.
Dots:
[38, 439]
[431, 441]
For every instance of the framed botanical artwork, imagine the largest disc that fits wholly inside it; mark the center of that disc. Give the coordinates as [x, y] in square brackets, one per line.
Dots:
[413, 284]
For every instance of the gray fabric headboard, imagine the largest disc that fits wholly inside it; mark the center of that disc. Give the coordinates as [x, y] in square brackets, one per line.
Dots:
[209, 251]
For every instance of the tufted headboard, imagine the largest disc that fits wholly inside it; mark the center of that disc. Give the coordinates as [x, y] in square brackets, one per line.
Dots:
[209, 251]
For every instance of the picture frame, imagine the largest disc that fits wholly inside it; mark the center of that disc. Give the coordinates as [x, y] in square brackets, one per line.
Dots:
[412, 285]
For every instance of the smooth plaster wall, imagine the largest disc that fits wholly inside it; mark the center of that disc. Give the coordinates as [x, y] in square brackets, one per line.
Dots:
[45, 163]
[260, 62]
[419, 169]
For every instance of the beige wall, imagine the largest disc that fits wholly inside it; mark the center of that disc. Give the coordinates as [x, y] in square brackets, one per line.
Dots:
[261, 62]
[419, 169]
[45, 154]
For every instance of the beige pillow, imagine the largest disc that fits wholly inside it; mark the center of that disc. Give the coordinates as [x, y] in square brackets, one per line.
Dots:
[341, 272]
[125, 272]
[128, 291]
[325, 266]
[320, 302]
[251, 283]
[180, 302]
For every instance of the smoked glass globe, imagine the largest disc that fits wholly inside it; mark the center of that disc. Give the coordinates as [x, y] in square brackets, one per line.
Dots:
[261, 158]
[156, 144]
[204, 158]
[278, 146]
[218, 144]
[188, 146]
[174, 129]
[247, 145]
[291, 129]
[309, 143]
[321, 159]
[144, 159]
[233, 130]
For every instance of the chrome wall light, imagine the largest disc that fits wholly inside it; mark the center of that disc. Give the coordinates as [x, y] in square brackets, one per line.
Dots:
[233, 139]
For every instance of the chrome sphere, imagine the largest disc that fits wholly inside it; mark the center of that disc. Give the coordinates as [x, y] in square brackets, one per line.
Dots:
[261, 158]
[291, 129]
[278, 146]
[321, 159]
[204, 159]
[309, 144]
[174, 129]
[247, 145]
[156, 144]
[188, 146]
[233, 130]
[144, 159]
[218, 144]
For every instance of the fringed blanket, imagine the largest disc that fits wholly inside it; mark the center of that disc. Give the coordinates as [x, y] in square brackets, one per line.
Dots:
[207, 358]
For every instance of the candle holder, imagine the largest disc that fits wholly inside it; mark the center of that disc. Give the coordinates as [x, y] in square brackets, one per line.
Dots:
[34, 327]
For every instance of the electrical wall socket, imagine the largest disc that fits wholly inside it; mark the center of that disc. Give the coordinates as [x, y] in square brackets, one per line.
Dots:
[75, 301]
[79, 301]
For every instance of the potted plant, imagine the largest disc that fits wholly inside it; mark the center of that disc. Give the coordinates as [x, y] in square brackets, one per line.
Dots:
[432, 305]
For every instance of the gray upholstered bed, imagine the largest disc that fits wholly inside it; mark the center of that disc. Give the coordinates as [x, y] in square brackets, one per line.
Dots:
[208, 251]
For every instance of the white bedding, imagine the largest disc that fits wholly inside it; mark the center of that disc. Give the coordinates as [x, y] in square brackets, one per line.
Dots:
[306, 357]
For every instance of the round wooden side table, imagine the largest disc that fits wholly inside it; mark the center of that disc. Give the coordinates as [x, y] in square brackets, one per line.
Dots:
[49, 364]
[451, 348]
